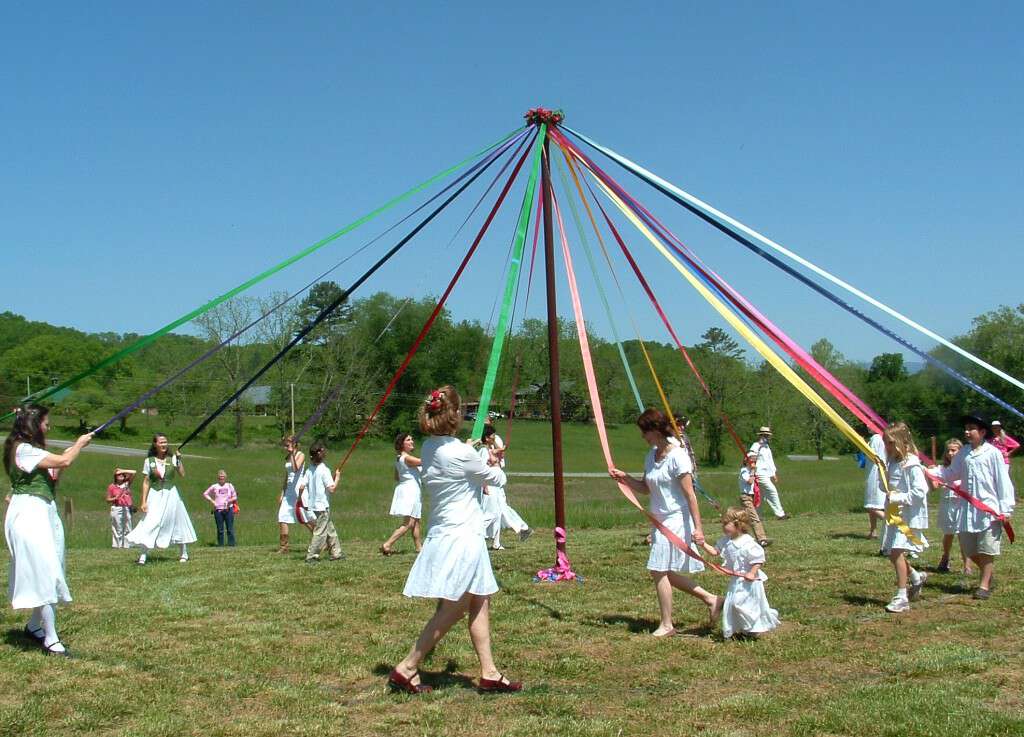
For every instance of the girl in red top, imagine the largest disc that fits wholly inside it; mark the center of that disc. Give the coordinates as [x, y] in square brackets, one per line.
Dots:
[119, 497]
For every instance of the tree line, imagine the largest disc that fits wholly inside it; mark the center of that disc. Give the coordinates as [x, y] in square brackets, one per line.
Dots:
[349, 358]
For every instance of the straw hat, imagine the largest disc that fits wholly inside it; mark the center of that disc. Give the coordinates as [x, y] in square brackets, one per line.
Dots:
[764, 430]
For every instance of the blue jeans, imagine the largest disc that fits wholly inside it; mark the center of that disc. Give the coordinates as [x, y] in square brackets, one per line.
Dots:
[225, 518]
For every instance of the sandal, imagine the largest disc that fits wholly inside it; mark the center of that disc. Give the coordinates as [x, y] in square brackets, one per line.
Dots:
[385, 551]
[667, 633]
[48, 649]
[37, 635]
[498, 685]
[398, 682]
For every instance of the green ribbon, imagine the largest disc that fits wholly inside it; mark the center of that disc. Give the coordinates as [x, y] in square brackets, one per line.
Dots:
[511, 281]
[146, 340]
[600, 287]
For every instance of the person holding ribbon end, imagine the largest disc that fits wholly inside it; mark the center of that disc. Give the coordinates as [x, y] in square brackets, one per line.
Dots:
[767, 474]
[908, 488]
[874, 492]
[32, 526]
[288, 508]
[949, 507]
[668, 478]
[406, 501]
[985, 479]
[166, 522]
[750, 497]
[454, 566]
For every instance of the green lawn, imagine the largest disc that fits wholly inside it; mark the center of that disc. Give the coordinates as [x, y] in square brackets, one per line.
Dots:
[246, 642]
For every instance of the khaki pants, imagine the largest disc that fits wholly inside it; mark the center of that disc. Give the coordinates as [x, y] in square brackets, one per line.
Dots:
[120, 526]
[755, 519]
[324, 534]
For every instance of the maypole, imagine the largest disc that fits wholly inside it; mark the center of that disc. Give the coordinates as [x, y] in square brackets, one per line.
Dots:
[562, 571]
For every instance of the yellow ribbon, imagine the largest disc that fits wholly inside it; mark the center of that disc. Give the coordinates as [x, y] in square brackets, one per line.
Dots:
[892, 510]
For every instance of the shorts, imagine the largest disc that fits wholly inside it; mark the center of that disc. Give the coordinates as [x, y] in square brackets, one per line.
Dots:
[986, 542]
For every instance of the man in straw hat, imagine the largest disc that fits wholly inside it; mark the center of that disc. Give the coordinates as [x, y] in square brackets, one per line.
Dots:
[767, 474]
[981, 473]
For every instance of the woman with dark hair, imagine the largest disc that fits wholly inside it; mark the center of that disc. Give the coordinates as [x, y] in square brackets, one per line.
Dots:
[166, 522]
[498, 514]
[35, 535]
[668, 478]
[406, 502]
[453, 566]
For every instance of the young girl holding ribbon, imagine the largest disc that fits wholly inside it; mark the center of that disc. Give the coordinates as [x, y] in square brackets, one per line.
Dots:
[746, 610]
[908, 488]
[949, 506]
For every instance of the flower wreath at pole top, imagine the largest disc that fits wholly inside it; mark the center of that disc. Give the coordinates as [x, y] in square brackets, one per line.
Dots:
[538, 115]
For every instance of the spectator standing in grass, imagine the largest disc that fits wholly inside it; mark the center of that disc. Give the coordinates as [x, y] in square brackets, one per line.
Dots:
[320, 486]
[119, 497]
[908, 489]
[406, 502]
[166, 522]
[32, 526]
[223, 497]
[668, 479]
[746, 610]
[454, 566]
[1003, 442]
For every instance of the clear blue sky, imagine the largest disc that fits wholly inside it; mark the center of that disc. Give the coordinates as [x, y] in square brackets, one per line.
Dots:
[152, 157]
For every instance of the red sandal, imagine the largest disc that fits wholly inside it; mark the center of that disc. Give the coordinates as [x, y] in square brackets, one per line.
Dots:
[498, 685]
[398, 682]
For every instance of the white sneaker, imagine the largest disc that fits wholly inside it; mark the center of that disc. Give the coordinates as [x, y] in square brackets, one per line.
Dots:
[497, 546]
[524, 534]
[141, 561]
[897, 605]
[914, 590]
[183, 559]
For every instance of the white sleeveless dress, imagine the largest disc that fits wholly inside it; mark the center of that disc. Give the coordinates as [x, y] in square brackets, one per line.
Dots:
[407, 500]
[286, 512]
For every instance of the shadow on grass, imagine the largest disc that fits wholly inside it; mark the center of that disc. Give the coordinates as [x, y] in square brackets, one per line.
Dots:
[17, 638]
[448, 678]
[633, 624]
[850, 536]
[551, 611]
[859, 600]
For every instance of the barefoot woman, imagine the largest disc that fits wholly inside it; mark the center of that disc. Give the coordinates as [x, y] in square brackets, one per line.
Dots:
[668, 477]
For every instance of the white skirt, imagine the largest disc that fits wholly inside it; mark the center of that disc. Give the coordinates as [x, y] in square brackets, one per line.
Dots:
[286, 512]
[35, 539]
[746, 609]
[667, 557]
[166, 522]
[406, 501]
[451, 564]
[874, 498]
[896, 540]
[948, 516]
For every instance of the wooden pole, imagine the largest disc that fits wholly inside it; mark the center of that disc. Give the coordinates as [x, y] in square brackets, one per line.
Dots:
[553, 368]
[934, 457]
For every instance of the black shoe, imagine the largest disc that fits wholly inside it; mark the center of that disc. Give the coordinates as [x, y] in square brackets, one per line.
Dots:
[48, 649]
[942, 567]
[980, 593]
[36, 635]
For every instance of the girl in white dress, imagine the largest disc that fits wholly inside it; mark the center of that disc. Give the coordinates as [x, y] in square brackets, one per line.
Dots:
[874, 492]
[949, 507]
[406, 502]
[908, 488]
[746, 610]
[288, 499]
[35, 536]
[166, 521]
[453, 566]
[498, 513]
[668, 478]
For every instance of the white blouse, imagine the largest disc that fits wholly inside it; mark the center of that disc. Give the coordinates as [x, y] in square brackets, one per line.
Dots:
[662, 479]
[451, 473]
[908, 488]
[985, 476]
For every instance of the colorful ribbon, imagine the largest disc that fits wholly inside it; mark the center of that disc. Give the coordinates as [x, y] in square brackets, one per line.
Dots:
[729, 226]
[146, 340]
[511, 287]
[595, 402]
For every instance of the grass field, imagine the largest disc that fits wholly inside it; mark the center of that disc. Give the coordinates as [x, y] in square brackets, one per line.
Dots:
[245, 642]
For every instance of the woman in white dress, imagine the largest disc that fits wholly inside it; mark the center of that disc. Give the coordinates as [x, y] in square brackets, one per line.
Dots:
[35, 536]
[288, 499]
[908, 488]
[406, 502]
[498, 513]
[746, 610]
[453, 566]
[668, 478]
[874, 492]
[166, 521]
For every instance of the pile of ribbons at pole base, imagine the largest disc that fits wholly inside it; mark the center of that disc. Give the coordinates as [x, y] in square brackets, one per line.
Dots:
[562, 570]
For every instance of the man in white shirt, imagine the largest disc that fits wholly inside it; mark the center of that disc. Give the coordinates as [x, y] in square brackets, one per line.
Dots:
[767, 474]
[982, 474]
